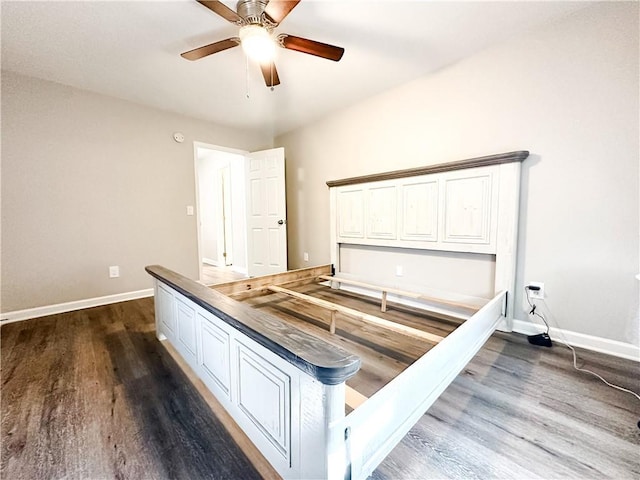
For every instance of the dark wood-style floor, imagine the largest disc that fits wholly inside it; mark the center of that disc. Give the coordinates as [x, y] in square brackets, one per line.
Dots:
[93, 394]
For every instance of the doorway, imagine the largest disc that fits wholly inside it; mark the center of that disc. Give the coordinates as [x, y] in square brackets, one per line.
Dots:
[221, 210]
[240, 210]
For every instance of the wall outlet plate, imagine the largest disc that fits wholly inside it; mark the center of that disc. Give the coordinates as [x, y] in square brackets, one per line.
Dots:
[537, 294]
[114, 271]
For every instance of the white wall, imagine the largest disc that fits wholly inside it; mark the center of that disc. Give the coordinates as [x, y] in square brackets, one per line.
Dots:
[90, 181]
[569, 94]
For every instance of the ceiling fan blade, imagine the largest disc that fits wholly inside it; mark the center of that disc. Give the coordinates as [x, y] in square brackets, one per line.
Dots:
[270, 74]
[222, 10]
[311, 47]
[278, 9]
[210, 49]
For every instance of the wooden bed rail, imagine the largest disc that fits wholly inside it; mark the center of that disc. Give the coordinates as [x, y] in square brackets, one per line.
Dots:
[401, 293]
[258, 285]
[399, 404]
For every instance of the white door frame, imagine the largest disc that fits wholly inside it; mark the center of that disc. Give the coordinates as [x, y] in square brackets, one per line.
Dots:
[224, 215]
[196, 147]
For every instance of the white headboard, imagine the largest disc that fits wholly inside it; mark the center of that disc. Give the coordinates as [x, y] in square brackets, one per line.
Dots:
[469, 206]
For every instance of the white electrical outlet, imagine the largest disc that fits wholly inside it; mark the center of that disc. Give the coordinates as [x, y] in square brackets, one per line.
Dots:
[538, 294]
[114, 271]
[305, 256]
[189, 210]
[399, 271]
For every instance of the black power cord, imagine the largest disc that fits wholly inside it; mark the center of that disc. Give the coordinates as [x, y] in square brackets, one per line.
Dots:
[544, 340]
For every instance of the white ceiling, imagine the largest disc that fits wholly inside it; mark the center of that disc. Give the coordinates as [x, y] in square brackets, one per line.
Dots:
[131, 50]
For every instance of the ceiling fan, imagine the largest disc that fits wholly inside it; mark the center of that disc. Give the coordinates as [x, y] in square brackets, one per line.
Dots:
[257, 20]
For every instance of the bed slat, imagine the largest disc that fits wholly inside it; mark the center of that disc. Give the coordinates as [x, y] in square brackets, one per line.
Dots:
[365, 317]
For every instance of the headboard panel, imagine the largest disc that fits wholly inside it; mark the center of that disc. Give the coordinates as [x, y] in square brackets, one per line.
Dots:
[469, 206]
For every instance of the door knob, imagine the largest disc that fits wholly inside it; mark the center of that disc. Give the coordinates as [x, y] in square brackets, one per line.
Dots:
[280, 222]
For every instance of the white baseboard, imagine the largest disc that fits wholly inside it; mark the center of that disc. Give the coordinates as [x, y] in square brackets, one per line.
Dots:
[242, 270]
[581, 340]
[19, 315]
[211, 262]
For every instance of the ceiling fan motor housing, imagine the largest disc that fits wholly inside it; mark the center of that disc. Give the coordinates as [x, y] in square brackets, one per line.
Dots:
[251, 11]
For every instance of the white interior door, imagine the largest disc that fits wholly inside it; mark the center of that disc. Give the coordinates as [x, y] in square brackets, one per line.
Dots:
[266, 213]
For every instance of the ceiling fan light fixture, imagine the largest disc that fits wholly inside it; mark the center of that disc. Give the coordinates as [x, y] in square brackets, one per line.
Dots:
[257, 43]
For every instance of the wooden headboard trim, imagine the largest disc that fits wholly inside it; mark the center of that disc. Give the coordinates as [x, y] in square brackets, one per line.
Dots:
[497, 159]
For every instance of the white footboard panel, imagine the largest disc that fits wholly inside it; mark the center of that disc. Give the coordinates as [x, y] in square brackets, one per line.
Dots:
[378, 425]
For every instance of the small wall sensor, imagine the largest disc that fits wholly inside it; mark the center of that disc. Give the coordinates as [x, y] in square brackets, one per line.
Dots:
[178, 137]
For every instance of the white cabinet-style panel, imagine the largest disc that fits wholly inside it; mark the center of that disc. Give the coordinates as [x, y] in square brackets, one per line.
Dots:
[381, 212]
[419, 211]
[186, 319]
[467, 212]
[214, 360]
[450, 211]
[167, 320]
[264, 397]
[351, 213]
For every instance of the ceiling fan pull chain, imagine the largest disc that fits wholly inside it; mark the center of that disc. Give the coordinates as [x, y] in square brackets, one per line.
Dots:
[271, 69]
[246, 71]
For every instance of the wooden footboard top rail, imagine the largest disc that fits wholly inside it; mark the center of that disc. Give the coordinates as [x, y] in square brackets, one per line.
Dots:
[323, 361]
[379, 423]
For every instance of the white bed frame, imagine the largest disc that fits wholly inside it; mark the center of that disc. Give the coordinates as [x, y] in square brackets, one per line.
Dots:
[286, 389]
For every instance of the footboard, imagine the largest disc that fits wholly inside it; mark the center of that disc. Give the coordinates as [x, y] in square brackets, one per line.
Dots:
[283, 387]
[377, 426]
